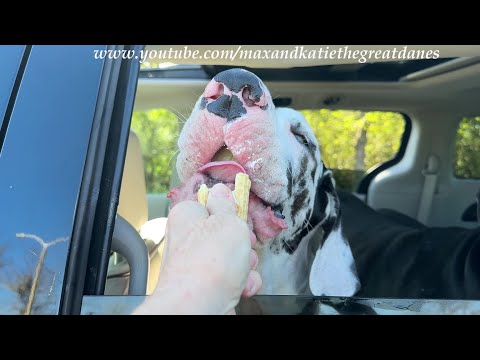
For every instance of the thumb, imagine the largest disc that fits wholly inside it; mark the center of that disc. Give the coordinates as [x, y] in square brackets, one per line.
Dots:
[221, 201]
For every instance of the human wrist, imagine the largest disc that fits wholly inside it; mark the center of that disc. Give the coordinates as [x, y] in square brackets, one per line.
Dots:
[182, 295]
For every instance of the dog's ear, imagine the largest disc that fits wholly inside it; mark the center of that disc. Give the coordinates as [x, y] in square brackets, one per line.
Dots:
[333, 271]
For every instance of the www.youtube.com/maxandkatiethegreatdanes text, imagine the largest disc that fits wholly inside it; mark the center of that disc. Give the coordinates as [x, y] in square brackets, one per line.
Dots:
[295, 53]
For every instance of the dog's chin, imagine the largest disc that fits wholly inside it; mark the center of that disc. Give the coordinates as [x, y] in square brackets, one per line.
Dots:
[266, 220]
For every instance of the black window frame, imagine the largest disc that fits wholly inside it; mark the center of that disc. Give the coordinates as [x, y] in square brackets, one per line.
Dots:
[100, 187]
[11, 89]
[371, 173]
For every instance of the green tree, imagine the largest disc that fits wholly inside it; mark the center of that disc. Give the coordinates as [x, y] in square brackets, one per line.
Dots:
[353, 141]
[158, 132]
[467, 149]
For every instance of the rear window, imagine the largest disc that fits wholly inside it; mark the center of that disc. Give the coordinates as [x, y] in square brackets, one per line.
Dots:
[157, 131]
[467, 149]
[354, 141]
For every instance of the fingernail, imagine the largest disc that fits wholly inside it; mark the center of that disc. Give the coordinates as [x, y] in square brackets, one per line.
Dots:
[220, 191]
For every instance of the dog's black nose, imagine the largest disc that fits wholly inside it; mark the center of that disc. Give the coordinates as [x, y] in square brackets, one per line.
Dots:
[241, 80]
[232, 91]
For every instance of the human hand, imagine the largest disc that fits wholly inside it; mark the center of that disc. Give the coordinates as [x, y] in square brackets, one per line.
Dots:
[208, 261]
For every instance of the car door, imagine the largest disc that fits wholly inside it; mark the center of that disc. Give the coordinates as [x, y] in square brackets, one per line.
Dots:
[60, 114]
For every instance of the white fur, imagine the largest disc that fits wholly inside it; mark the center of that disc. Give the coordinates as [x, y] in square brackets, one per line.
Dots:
[332, 270]
[283, 273]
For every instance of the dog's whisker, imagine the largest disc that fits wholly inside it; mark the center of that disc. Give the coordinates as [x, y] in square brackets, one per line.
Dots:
[290, 171]
[175, 153]
[189, 108]
[307, 222]
[286, 243]
[178, 113]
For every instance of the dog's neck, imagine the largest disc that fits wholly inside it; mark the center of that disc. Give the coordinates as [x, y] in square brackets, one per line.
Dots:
[288, 240]
[284, 263]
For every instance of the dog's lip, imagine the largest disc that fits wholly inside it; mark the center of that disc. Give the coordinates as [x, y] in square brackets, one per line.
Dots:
[230, 177]
[236, 168]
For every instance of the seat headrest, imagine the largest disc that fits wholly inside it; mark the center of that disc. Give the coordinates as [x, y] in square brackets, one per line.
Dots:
[132, 204]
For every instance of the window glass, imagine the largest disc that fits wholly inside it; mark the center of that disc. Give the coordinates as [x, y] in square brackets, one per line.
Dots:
[352, 142]
[41, 167]
[158, 131]
[467, 149]
[10, 59]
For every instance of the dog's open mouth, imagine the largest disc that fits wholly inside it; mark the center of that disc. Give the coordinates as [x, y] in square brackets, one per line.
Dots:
[265, 220]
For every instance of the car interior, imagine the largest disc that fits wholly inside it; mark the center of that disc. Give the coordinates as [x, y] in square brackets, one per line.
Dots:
[427, 174]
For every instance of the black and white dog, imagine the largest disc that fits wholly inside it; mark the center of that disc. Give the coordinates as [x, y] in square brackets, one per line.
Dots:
[313, 239]
[294, 208]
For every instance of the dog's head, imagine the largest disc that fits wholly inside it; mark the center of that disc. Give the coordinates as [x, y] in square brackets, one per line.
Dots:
[235, 127]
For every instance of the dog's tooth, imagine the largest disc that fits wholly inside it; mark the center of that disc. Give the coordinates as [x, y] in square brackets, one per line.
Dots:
[278, 214]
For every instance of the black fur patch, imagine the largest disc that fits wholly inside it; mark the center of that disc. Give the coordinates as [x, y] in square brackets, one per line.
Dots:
[326, 192]
[289, 178]
[292, 245]
[309, 213]
[299, 202]
[275, 248]
[302, 183]
[303, 168]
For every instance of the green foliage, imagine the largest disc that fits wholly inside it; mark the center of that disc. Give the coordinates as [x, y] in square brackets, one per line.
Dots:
[338, 131]
[467, 149]
[158, 132]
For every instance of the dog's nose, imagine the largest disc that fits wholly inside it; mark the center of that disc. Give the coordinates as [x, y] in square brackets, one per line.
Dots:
[232, 91]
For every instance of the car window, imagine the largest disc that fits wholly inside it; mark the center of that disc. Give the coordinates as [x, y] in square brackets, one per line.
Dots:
[158, 131]
[467, 149]
[10, 60]
[354, 141]
[41, 166]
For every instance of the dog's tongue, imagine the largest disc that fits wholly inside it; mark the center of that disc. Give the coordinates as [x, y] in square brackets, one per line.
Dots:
[225, 171]
[260, 217]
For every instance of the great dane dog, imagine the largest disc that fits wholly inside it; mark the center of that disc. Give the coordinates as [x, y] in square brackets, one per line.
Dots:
[294, 208]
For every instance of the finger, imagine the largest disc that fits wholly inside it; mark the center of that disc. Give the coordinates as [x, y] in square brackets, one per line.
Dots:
[183, 218]
[253, 259]
[220, 201]
[253, 239]
[254, 283]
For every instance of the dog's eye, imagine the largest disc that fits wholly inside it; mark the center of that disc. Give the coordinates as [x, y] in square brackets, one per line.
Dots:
[302, 139]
